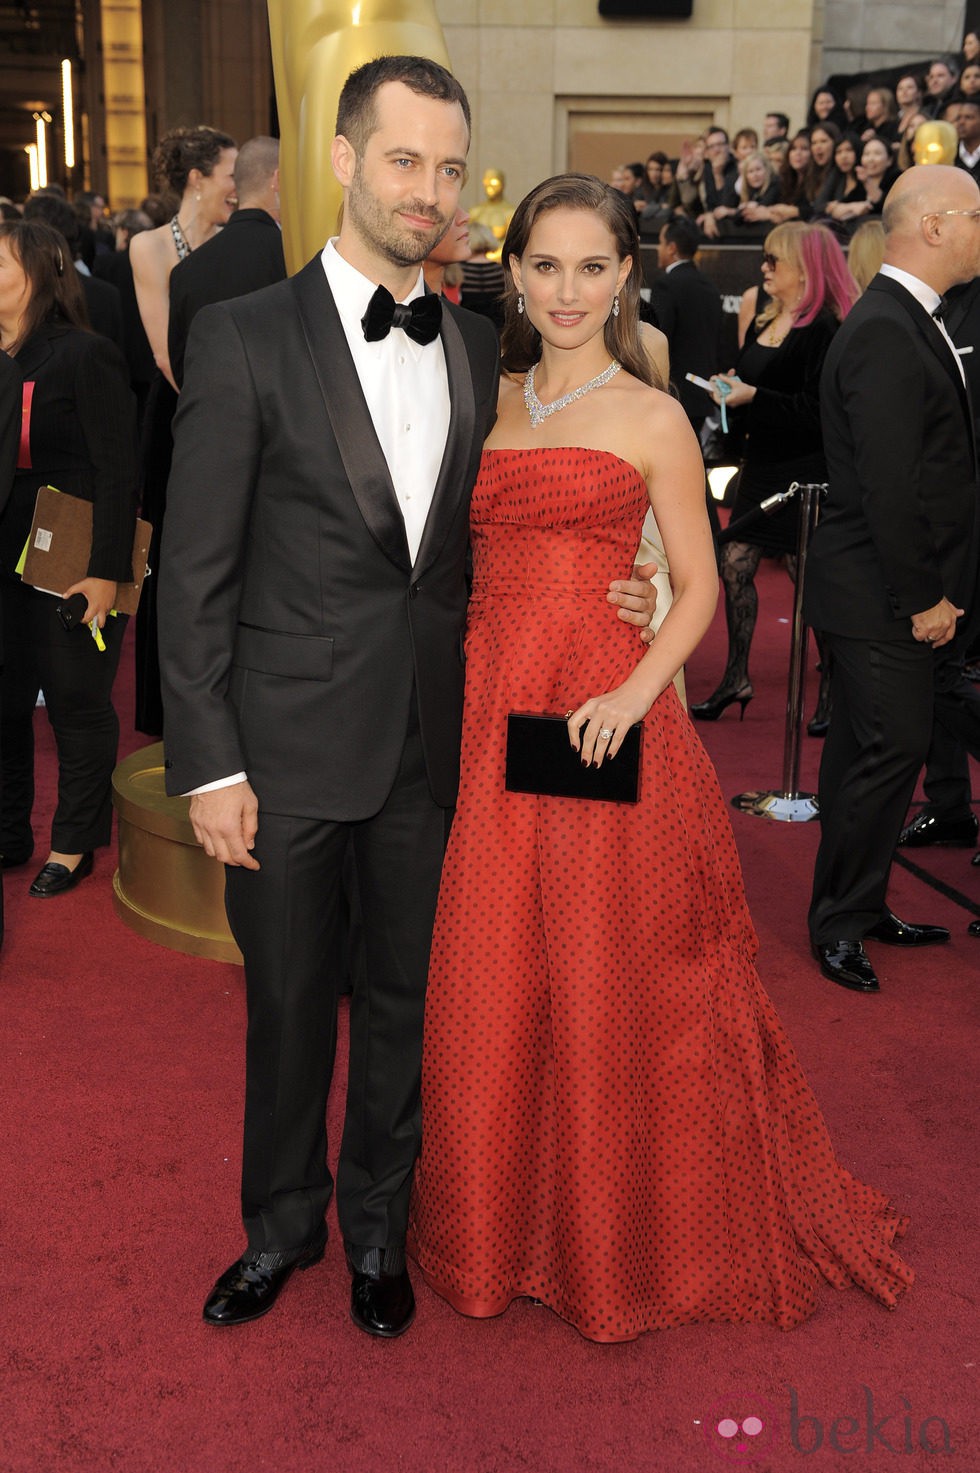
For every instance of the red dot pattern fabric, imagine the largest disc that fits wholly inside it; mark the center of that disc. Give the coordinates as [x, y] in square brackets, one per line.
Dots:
[614, 1121]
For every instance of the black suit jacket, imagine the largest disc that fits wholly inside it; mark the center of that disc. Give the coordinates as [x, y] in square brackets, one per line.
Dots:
[243, 257]
[81, 438]
[687, 307]
[899, 528]
[293, 624]
[10, 423]
[116, 268]
[104, 306]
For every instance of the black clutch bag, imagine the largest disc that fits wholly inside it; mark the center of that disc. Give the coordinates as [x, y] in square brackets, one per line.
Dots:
[540, 760]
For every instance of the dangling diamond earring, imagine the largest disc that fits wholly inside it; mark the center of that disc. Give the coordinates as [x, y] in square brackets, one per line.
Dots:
[198, 195]
[520, 304]
[615, 310]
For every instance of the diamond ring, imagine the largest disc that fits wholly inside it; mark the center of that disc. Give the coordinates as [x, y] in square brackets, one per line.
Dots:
[605, 733]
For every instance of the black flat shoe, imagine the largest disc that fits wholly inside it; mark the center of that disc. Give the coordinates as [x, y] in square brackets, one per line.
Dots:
[250, 1288]
[57, 879]
[712, 708]
[957, 833]
[846, 963]
[903, 933]
[382, 1306]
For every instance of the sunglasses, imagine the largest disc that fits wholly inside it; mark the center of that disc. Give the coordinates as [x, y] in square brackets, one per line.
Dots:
[769, 260]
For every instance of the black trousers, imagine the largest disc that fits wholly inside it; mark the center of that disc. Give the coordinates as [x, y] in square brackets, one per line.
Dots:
[77, 680]
[955, 733]
[285, 918]
[882, 692]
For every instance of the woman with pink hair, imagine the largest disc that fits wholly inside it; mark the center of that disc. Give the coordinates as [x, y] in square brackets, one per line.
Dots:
[773, 399]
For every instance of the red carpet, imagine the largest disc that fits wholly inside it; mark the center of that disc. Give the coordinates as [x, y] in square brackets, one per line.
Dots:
[120, 1117]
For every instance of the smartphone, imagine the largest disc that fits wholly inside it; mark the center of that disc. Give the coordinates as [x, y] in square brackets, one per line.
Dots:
[702, 383]
[72, 611]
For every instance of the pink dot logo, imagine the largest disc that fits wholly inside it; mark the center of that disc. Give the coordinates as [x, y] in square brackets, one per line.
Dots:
[740, 1427]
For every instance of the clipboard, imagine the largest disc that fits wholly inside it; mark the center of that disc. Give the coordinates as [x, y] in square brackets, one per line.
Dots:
[60, 545]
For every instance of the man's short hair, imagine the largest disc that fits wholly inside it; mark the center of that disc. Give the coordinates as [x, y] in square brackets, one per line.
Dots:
[257, 161]
[781, 119]
[357, 116]
[715, 129]
[55, 211]
[961, 99]
[682, 235]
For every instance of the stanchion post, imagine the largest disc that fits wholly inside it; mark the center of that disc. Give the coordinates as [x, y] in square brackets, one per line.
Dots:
[790, 805]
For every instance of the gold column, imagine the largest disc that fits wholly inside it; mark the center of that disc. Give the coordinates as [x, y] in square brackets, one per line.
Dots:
[315, 44]
[125, 101]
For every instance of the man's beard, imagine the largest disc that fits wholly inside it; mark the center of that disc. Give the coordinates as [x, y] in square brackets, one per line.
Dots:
[378, 225]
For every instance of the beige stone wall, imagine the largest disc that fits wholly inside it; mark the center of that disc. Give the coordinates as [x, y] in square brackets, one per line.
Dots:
[554, 86]
[863, 34]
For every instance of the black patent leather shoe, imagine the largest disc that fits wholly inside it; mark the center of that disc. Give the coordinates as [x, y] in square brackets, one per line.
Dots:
[382, 1305]
[957, 833]
[250, 1288]
[846, 963]
[903, 933]
[58, 879]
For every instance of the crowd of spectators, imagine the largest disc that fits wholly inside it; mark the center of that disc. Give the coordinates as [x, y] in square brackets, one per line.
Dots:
[837, 169]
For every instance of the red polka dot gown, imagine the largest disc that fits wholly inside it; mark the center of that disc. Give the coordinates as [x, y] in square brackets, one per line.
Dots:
[614, 1121]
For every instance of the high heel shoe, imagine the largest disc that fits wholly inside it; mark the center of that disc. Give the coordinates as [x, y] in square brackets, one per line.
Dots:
[712, 708]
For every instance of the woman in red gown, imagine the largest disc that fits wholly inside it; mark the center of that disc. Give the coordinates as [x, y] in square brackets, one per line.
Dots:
[614, 1121]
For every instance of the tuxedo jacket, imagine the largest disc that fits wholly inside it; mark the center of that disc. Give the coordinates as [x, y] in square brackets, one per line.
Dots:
[116, 268]
[243, 257]
[294, 625]
[79, 435]
[898, 530]
[688, 310]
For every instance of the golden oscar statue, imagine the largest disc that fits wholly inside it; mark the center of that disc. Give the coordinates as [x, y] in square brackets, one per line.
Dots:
[315, 45]
[935, 143]
[495, 211]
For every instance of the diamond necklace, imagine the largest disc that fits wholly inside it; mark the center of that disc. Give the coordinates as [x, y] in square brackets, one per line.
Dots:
[540, 412]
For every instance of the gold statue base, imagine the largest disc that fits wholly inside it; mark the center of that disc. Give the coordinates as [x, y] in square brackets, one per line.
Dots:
[166, 888]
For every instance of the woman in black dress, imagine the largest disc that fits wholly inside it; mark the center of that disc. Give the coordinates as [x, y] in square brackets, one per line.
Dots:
[774, 400]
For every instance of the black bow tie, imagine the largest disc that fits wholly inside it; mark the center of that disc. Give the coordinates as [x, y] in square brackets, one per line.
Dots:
[420, 319]
[939, 311]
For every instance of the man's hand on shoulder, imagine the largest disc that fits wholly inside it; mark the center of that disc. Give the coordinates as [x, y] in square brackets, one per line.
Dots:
[636, 598]
[936, 626]
[225, 822]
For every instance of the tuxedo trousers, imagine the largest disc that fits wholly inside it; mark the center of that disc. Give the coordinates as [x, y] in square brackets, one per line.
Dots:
[882, 694]
[286, 919]
[955, 732]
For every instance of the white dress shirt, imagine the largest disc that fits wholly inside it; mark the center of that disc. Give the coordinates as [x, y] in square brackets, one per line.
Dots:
[407, 391]
[406, 388]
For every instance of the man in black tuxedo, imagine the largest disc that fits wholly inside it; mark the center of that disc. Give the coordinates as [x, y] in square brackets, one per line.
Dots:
[947, 817]
[687, 307]
[893, 563]
[312, 600]
[243, 257]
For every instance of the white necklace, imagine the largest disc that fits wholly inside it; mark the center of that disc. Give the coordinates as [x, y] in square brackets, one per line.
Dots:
[540, 412]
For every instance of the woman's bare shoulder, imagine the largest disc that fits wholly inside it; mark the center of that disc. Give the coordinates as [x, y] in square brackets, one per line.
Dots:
[154, 250]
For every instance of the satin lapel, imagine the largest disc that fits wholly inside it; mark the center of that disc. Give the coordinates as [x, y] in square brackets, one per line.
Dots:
[451, 484]
[350, 419]
[936, 342]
